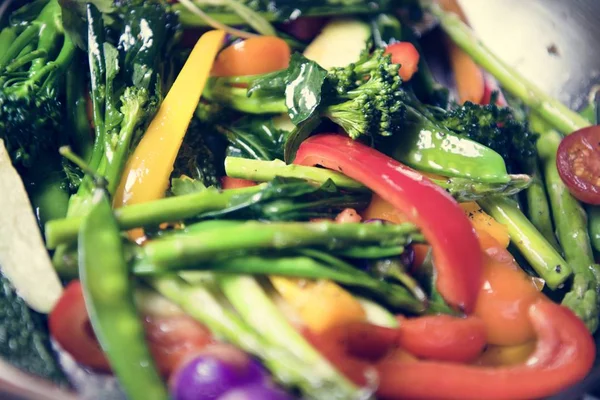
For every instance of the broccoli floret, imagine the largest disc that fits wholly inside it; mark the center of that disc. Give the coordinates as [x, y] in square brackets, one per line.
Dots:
[33, 59]
[35, 55]
[198, 157]
[496, 128]
[366, 96]
[127, 67]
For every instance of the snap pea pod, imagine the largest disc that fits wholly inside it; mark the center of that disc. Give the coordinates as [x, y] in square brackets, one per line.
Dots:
[571, 227]
[110, 303]
[427, 147]
[544, 258]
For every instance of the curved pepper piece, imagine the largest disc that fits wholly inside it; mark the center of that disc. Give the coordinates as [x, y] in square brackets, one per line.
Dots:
[564, 354]
[455, 247]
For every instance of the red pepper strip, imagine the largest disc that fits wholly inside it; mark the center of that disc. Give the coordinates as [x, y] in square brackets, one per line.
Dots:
[443, 338]
[456, 252]
[564, 354]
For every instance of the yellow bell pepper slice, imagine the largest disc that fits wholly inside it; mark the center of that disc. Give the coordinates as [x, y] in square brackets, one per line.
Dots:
[146, 175]
[482, 221]
[320, 304]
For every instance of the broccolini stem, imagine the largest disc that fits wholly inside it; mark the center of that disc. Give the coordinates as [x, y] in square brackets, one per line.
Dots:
[7, 37]
[247, 296]
[237, 98]
[538, 209]
[571, 227]
[151, 213]
[200, 302]
[302, 267]
[264, 171]
[544, 258]
[18, 44]
[553, 111]
[190, 248]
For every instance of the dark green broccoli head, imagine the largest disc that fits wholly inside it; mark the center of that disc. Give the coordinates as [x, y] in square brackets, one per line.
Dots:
[29, 125]
[496, 128]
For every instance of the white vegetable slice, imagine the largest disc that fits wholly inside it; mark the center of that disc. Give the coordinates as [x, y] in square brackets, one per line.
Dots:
[24, 259]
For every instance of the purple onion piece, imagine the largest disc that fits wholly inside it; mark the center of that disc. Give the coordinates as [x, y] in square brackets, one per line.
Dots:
[407, 258]
[256, 392]
[208, 377]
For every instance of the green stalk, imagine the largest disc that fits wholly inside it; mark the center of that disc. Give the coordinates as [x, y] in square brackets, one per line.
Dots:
[540, 254]
[301, 267]
[189, 249]
[552, 110]
[155, 212]
[264, 171]
[571, 227]
[200, 302]
[538, 208]
[259, 311]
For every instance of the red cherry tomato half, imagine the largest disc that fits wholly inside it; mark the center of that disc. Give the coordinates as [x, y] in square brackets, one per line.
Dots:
[405, 54]
[70, 326]
[578, 163]
[170, 339]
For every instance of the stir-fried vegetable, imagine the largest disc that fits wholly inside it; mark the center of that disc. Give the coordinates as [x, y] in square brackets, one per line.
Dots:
[220, 243]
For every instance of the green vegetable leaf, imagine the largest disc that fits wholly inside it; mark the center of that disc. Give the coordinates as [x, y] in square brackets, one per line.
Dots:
[256, 138]
[74, 17]
[304, 85]
[297, 136]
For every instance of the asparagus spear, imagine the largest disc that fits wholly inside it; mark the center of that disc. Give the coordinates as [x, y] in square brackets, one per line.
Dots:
[460, 188]
[571, 227]
[544, 258]
[313, 374]
[538, 207]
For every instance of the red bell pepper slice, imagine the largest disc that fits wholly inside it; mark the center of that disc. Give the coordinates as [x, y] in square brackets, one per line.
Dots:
[443, 337]
[456, 251]
[564, 354]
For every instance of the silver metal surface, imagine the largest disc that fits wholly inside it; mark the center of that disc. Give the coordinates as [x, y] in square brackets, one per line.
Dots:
[554, 43]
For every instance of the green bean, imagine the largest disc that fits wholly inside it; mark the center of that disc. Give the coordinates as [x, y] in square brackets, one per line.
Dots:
[110, 303]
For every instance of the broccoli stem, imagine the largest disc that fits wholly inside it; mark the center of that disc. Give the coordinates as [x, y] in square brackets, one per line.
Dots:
[199, 300]
[7, 37]
[538, 208]
[264, 171]
[550, 109]
[247, 296]
[152, 213]
[190, 248]
[571, 227]
[544, 258]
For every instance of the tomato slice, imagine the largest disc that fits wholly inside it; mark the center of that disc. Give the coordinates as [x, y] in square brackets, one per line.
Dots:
[578, 163]
[171, 339]
[405, 54]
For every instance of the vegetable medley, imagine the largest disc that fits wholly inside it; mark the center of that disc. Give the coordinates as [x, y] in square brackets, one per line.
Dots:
[271, 200]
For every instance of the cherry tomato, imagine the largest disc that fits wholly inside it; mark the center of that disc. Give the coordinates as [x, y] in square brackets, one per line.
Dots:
[578, 163]
[443, 338]
[405, 54]
[70, 326]
[505, 297]
[257, 55]
[170, 339]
